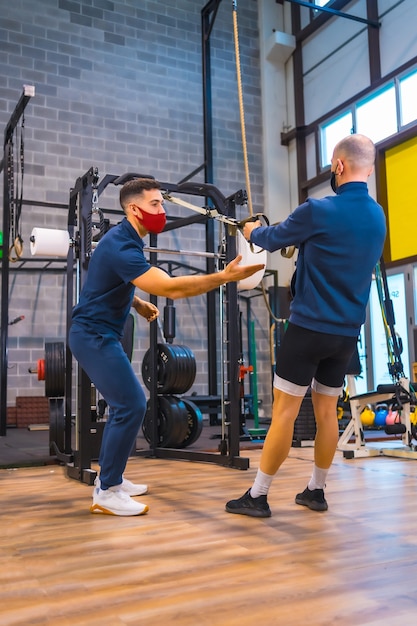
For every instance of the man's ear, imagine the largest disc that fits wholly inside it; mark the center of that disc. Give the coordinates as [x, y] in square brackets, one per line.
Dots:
[134, 209]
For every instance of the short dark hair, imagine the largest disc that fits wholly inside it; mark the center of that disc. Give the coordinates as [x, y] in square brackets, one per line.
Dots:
[136, 187]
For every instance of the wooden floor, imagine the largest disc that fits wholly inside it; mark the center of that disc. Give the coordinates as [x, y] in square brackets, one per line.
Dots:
[188, 562]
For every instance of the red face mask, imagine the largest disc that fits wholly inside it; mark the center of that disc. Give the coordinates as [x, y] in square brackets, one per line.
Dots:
[153, 223]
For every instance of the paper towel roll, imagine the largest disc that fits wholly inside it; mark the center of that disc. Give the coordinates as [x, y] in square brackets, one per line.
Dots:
[250, 258]
[48, 242]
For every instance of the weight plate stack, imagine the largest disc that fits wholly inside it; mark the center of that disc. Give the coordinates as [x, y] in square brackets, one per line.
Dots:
[173, 425]
[176, 369]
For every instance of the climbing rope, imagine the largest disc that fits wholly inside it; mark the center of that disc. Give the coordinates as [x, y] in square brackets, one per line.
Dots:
[290, 250]
[241, 108]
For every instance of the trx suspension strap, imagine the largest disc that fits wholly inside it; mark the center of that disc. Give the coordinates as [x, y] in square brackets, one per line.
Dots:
[16, 200]
[395, 365]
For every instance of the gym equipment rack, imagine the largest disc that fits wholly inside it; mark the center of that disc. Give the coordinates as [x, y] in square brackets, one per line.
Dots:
[78, 461]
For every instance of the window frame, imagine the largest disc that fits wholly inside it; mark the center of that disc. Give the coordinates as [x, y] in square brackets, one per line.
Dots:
[394, 82]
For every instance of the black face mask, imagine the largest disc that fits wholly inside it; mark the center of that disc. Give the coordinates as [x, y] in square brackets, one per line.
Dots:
[333, 181]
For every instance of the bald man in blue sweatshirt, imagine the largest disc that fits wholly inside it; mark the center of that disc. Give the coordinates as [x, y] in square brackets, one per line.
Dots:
[340, 239]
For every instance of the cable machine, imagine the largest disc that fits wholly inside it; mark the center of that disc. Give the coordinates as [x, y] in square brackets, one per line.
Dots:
[83, 206]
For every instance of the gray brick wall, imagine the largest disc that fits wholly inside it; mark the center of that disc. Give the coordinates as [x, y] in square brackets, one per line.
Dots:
[119, 87]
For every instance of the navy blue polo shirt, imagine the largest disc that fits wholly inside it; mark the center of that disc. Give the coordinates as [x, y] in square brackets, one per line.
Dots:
[107, 295]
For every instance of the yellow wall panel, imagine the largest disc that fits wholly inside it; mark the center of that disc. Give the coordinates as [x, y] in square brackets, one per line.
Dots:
[401, 175]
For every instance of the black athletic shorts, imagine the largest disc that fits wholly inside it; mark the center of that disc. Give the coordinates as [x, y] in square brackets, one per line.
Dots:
[307, 357]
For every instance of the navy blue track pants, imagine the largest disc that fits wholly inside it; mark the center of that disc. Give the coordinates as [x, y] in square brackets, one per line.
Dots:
[103, 359]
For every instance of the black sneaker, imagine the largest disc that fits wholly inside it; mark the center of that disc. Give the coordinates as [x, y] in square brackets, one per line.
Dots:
[246, 505]
[314, 499]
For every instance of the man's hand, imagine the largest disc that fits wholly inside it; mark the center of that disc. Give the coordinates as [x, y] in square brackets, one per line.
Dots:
[235, 272]
[249, 227]
[146, 309]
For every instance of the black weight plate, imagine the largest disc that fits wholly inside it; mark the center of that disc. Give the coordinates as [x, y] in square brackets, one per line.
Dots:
[172, 422]
[176, 367]
[163, 370]
[173, 428]
[194, 424]
[54, 370]
[191, 370]
[56, 424]
[182, 423]
[167, 368]
[146, 369]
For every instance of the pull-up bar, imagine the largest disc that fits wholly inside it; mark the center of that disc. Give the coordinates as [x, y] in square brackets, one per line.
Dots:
[316, 7]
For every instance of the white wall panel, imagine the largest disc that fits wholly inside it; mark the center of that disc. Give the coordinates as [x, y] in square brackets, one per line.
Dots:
[398, 40]
[337, 79]
[335, 63]
[333, 35]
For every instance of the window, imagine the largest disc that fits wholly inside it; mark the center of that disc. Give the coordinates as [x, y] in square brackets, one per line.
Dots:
[408, 99]
[379, 115]
[333, 132]
[376, 116]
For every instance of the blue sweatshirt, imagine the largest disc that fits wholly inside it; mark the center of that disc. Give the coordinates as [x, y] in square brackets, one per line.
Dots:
[340, 240]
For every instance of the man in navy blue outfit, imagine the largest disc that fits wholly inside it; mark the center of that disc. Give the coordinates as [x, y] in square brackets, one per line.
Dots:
[117, 267]
[340, 240]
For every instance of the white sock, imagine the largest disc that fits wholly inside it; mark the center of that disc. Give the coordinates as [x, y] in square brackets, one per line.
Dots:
[261, 485]
[318, 478]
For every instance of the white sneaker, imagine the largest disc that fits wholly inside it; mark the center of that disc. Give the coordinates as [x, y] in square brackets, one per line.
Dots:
[128, 487]
[114, 501]
[133, 489]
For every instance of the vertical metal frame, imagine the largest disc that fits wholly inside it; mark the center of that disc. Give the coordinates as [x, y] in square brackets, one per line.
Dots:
[208, 17]
[28, 93]
[79, 210]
